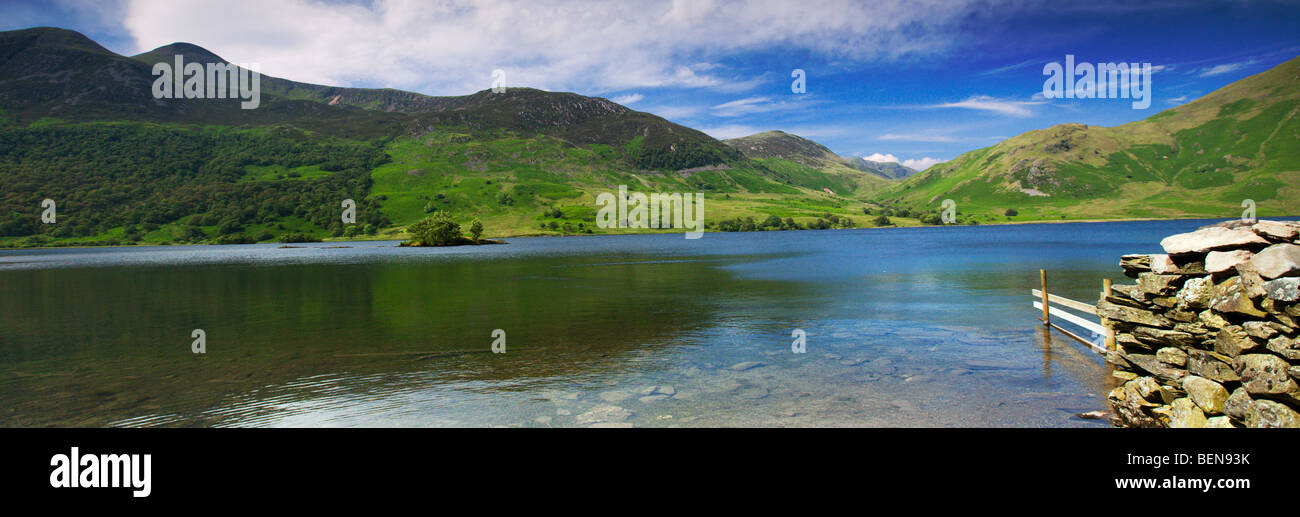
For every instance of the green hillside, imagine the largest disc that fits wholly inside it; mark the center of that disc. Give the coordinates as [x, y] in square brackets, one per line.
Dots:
[79, 125]
[809, 163]
[1201, 159]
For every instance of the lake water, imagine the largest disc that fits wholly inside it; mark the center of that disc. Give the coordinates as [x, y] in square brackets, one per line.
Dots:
[904, 327]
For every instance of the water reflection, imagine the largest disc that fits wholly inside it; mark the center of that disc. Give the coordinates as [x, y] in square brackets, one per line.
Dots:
[912, 327]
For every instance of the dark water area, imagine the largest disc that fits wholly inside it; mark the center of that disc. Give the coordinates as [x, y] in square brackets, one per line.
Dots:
[904, 327]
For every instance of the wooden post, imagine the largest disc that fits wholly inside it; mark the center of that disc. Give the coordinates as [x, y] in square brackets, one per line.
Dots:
[1042, 278]
[1110, 332]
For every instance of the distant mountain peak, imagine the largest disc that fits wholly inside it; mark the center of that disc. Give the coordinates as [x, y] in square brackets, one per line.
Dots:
[190, 52]
[892, 170]
[779, 144]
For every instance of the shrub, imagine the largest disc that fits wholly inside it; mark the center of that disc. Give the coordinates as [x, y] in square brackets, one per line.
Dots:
[476, 230]
[298, 237]
[1011, 212]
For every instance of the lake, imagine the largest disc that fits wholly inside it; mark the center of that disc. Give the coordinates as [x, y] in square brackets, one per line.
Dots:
[904, 327]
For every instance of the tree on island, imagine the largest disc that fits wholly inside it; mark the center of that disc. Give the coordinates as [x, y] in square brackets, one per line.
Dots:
[437, 230]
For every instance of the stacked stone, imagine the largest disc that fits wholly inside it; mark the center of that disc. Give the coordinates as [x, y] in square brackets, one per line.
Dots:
[1207, 337]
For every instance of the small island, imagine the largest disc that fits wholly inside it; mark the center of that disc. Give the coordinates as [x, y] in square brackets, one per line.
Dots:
[441, 230]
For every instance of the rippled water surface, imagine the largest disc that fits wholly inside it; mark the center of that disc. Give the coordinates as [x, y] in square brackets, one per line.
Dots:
[905, 327]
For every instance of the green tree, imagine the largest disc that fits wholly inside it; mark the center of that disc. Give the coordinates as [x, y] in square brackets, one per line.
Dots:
[437, 230]
[476, 230]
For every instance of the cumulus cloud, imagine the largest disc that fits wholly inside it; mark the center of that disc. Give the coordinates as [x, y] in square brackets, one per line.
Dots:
[451, 47]
[919, 164]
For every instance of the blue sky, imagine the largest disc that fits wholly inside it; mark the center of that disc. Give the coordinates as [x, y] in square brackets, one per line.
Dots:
[914, 81]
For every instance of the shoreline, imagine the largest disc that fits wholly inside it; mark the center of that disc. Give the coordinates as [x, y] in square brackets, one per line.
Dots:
[543, 235]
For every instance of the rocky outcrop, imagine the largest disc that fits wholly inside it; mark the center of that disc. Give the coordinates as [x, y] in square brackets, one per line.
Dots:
[1207, 336]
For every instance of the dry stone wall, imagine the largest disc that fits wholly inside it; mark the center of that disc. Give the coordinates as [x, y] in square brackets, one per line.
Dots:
[1207, 336]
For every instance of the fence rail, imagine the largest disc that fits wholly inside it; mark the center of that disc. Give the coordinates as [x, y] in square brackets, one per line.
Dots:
[1045, 300]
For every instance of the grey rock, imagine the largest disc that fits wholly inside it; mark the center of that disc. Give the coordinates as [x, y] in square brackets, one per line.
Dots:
[612, 425]
[1131, 315]
[1211, 320]
[1210, 396]
[1186, 414]
[1259, 329]
[1283, 289]
[1162, 336]
[1274, 230]
[1233, 340]
[1210, 239]
[1221, 261]
[1134, 264]
[1238, 404]
[1265, 374]
[1149, 364]
[1218, 422]
[603, 413]
[1230, 298]
[1206, 364]
[1133, 400]
[1277, 261]
[1251, 283]
[652, 399]
[1166, 265]
[1196, 293]
[1266, 413]
[1152, 283]
[1172, 356]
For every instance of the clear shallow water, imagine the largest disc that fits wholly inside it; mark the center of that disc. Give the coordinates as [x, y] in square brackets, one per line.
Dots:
[905, 327]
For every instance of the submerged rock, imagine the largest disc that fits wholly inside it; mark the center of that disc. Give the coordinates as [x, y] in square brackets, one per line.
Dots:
[747, 365]
[604, 413]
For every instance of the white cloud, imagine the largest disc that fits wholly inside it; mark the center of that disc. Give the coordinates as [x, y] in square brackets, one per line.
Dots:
[986, 103]
[629, 99]
[451, 47]
[919, 164]
[1224, 68]
[751, 105]
[877, 157]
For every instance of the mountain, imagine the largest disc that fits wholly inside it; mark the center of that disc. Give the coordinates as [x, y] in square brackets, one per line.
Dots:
[79, 124]
[1204, 158]
[891, 170]
[781, 150]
